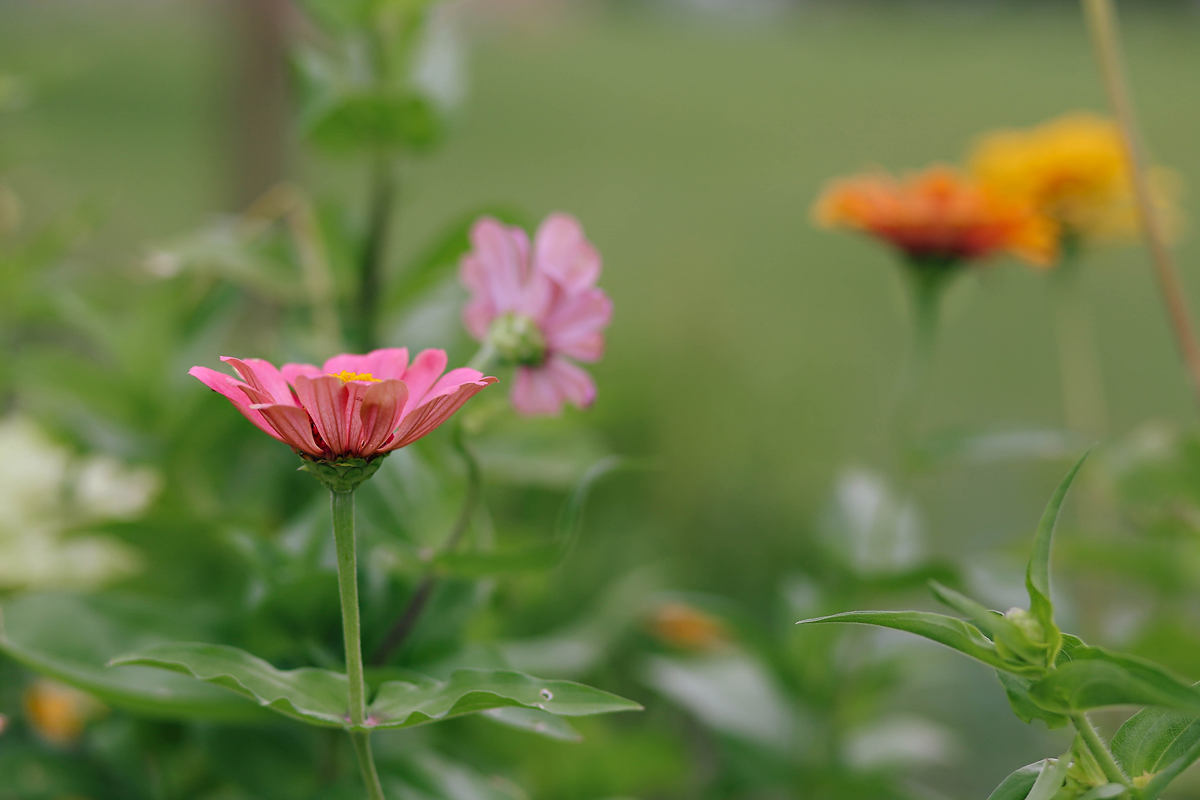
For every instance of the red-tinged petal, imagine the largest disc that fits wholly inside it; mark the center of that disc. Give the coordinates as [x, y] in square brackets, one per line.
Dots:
[452, 380]
[293, 424]
[424, 371]
[543, 390]
[292, 371]
[232, 389]
[324, 398]
[574, 327]
[427, 417]
[264, 376]
[380, 411]
[563, 252]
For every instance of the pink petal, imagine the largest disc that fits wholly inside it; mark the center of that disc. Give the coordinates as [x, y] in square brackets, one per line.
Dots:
[544, 389]
[294, 426]
[497, 264]
[292, 371]
[324, 398]
[388, 363]
[380, 413]
[356, 391]
[573, 327]
[422, 374]
[452, 380]
[564, 253]
[264, 376]
[231, 388]
[478, 314]
[346, 362]
[427, 417]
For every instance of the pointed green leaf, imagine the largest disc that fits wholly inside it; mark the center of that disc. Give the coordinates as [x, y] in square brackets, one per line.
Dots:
[1050, 779]
[316, 696]
[1017, 785]
[1157, 742]
[950, 631]
[70, 638]
[1095, 677]
[993, 624]
[1105, 792]
[403, 704]
[1037, 574]
[534, 720]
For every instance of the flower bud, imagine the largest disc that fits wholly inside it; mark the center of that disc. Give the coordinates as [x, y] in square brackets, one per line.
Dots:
[343, 476]
[518, 340]
[1027, 624]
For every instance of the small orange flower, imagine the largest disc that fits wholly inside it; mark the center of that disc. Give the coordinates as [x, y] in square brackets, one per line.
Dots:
[57, 712]
[680, 625]
[937, 216]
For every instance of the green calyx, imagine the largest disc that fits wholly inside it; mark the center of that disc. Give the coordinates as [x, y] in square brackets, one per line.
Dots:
[517, 340]
[343, 476]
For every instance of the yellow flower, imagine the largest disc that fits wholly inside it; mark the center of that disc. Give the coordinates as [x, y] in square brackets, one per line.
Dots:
[937, 215]
[1072, 169]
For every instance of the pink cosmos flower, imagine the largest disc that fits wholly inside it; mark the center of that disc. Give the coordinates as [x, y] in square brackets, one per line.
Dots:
[539, 307]
[353, 406]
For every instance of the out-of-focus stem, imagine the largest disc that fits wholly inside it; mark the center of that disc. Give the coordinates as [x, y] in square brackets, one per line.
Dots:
[370, 272]
[1102, 22]
[411, 614]
[928, 284]
[343, 536]
[1079, 364]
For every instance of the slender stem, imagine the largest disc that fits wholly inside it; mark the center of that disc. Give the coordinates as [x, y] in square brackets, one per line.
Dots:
[483, 356]
[407, 621]
[928, 284]
[366, 763]
[1102, 22]
[1099, 749]
[1079, 365]
[343, 536]
[383, 198]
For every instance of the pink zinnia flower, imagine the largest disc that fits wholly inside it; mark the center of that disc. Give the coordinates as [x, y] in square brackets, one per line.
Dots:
[538, 308]
[353, 406]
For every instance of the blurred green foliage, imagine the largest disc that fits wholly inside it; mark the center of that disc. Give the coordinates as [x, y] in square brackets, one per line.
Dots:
[752, 358]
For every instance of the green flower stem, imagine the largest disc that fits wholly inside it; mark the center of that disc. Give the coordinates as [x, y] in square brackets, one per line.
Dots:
[1099, 749]
[366, 763]
[343, 536]
[483, 357]
[928, 283]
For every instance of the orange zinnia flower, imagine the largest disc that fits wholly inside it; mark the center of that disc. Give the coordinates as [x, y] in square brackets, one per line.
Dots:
[937, 217]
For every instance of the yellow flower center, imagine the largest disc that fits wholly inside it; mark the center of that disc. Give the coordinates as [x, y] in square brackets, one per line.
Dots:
[346, 375]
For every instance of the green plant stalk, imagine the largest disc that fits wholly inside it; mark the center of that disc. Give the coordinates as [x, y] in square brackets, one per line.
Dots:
[1079, 366]
[343, 536]
[927, 285]
[1102, 23]
[1099, 749]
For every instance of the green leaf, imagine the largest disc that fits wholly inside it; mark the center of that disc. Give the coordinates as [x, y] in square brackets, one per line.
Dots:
[534, 720]
[1051, 778]
[993, 624]
[1017, 785]
[377, 121]
[442, 256]
[70, 638]
[1105, 792]
[1037, 574]
[1157, 741]
[403, 704]
[316, 696]
[950, 631]
[1017, 689]
[1094, 677]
